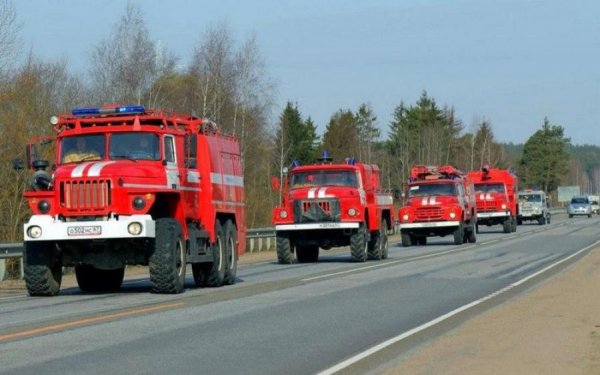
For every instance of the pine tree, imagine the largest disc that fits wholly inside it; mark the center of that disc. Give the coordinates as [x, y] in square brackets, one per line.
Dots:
[341, 136]
[545, 159]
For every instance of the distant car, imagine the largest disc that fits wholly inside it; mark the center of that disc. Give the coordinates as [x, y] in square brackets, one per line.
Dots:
[595, 207]
[579, 206]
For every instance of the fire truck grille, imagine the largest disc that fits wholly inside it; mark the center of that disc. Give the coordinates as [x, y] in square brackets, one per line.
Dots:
[487, 205]
[307, 211]
[428, 213]
[85, 195]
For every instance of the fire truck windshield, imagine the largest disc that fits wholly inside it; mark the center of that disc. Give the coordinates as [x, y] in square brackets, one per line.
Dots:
[82, 148]
[323, 178]
[489, 188]
[424, 190]
[139, 146]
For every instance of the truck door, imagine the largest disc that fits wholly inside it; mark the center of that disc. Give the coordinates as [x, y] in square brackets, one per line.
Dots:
[173, 180]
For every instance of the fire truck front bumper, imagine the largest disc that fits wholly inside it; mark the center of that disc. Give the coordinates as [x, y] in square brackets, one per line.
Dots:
[431, 224]
[487, 215]
[47, 228]
[312, 226]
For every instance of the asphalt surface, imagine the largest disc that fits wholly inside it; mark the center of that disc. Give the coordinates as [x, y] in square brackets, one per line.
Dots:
[293, 319]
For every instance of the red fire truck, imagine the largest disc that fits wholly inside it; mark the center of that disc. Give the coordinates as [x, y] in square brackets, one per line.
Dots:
[496, 197]
[440, 202]
[327, 205]
[131, 186]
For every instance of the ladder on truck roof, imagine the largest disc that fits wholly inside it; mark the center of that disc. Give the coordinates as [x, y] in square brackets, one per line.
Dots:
[434, 172]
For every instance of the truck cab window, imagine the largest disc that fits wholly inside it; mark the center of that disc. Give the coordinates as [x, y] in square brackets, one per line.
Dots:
[138, 146]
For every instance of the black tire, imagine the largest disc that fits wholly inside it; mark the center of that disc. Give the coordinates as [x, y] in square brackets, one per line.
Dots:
[519, 221]
[548, 220]
[231, 252]
[422, 241]
[590, 216]
[168, 260]
[42, 269]
[307, 253]
[570, 216]
[506, 226]
[406, 239]
[477, 228]
[359, 244]
[542, 220]
[91, 279]
[383, 240]
[459, 235]
[285, 249]
[472, 237]
[513, 224]
[213, 274]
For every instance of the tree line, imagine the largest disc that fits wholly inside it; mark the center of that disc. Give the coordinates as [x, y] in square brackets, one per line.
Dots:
[229, 83]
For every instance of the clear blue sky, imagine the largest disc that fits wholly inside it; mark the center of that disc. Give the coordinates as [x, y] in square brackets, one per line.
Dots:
[511, 62]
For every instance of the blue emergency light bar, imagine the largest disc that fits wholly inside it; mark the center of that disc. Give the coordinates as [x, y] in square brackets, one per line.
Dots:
[124, 110]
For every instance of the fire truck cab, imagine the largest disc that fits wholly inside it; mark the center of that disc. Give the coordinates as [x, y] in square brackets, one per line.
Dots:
[327, 205]
[496, 197]
[131, 186]
[440, 202]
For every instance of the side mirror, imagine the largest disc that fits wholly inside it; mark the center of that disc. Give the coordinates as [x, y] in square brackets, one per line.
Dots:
[18, 164]
[275, 184]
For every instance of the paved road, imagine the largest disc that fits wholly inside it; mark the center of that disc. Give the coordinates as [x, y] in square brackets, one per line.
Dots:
[297, 319]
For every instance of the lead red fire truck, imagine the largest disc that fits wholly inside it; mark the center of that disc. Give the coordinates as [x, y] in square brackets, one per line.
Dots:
[131, 186]
[440, 202]
[327, 205]
[496, 197]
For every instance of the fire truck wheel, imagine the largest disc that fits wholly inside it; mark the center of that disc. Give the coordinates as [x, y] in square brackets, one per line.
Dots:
[215, 275]
[459, 235]
[91, 279]
[472, 238]
[284, 249]
[506, 226]
[542, 220]
[359, 245]
[477, 228]
[374, 251]
[513, 225]
[167, 262]
[519, 222]
[42, 269]
[231, 253]
[406, 239]
[383, 240]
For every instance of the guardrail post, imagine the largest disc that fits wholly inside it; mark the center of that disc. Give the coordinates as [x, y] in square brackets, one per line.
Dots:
[2, 269]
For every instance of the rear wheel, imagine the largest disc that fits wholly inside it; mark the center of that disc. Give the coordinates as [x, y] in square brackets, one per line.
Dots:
[168, 260]
[506, 226]
[307, 253]
[231, 253]
[42, 268]
[359, 244]
[375, 248]
[458, 235]
[285, 249]
[406, 239]
[383, 240]
[513, 223]
[472, 237]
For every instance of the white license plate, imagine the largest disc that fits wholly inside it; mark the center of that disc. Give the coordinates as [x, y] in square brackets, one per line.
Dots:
[84, 230]
[329, 225]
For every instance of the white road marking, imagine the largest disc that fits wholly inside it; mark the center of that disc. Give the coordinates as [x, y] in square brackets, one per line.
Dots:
[352, 360]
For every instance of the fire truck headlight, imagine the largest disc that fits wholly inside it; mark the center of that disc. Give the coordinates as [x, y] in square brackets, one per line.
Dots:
[283, 214]
[452, 215]
[352, 212]
[44, 206]
[503, 206]
[34, 231]
[139, 203]
[134, 228]
[405, 217]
